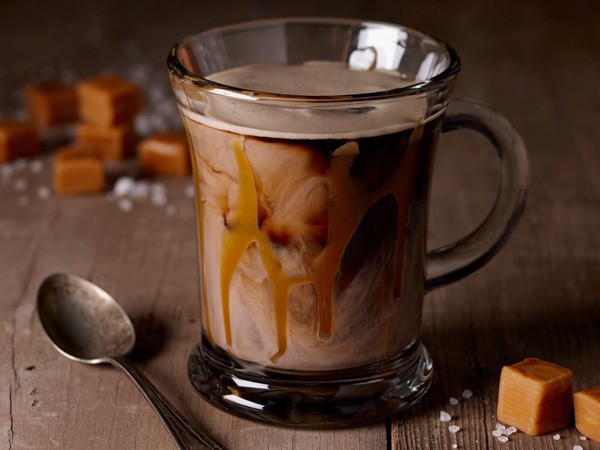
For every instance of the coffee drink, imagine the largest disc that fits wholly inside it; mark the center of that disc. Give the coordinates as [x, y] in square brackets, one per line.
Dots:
[311, 224]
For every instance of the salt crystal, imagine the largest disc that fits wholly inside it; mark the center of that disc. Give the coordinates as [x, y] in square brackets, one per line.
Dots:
[577, 447]
[158, 199]
[453, 428]
[6, 171]
[503, 439]
[139, 74]
[21, 184]
[36, 166]
[140, 189]
[158, 187]
[556, 437]
[445, 417]
[125, 204]
[453, 401]
[499, 426]
[171, 210]
[43, 192]
[123, 186]
[189, 192]
[20, 164]
[157, 94]
[508, 431]
[467, 393]
[158, 194]
[454, 445]
[497, 432]
[583, 438]
[143, 125]
[158, 122]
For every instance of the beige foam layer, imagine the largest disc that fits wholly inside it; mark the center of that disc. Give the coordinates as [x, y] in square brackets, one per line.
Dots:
[253, 116]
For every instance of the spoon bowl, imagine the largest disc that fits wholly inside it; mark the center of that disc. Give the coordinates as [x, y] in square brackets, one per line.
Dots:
[87, 325]
[84, 322]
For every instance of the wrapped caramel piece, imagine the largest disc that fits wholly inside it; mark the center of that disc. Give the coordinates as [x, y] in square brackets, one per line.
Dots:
[108, 100]
[17, 140]
[113, 143]
[587, 412]
[165, 154]
[51, 103]
[78, 171]
[535, 396]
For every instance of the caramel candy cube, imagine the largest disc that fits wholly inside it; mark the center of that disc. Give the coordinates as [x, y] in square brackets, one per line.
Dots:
[108, 100]
[587, 412]
[52, 103]
[78, 171]
[17, 140]
[165, 154]
[113, 143]
[535, 396]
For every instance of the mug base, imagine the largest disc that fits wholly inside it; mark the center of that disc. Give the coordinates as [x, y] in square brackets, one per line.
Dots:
[348, 397]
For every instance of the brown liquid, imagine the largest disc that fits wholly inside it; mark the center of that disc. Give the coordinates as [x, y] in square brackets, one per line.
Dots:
[304, 244]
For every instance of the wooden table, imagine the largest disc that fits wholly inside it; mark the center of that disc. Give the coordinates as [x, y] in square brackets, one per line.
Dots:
[536, 61]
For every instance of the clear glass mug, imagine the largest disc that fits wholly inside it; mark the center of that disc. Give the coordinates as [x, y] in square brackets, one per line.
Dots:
[312, 216]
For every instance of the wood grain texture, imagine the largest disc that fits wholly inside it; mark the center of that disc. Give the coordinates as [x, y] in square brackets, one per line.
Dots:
[535, 61]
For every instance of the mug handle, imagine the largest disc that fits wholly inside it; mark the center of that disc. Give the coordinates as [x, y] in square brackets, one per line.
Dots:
[452, 262]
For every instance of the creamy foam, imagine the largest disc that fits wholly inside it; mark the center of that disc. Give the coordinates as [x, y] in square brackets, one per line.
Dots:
[258, 116]
[311, 78]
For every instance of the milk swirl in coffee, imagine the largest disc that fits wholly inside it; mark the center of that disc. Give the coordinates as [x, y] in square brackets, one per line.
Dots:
[308, 217]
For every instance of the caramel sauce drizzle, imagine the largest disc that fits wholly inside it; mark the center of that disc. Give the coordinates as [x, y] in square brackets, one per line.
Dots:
[242, 230]
[200, 230]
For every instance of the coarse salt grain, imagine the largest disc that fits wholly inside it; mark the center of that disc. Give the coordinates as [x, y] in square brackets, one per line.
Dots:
[497, 432]
[158, 198]
[445, 417]
[577, 447]
[189, 192]
[467, 393]
[6, 171]
[503, 439]
[140, 190]
[556, 437]
[454, 445]
[20, 164]
[583, 438]
[499, 426]
[36, 166]
[125, 204]
[123, 186]
[21, 184]
[453, 428]
[508, 431]
[43, 192]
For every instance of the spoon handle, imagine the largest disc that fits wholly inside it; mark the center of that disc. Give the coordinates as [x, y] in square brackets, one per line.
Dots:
[185, 435]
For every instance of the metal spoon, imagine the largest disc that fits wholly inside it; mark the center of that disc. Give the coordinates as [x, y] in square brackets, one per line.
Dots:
[87, 325]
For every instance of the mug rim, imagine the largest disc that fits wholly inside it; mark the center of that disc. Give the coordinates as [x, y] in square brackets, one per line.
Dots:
[177, 68]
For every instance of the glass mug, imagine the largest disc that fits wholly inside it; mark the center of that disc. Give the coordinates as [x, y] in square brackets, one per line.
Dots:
[312, 143]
